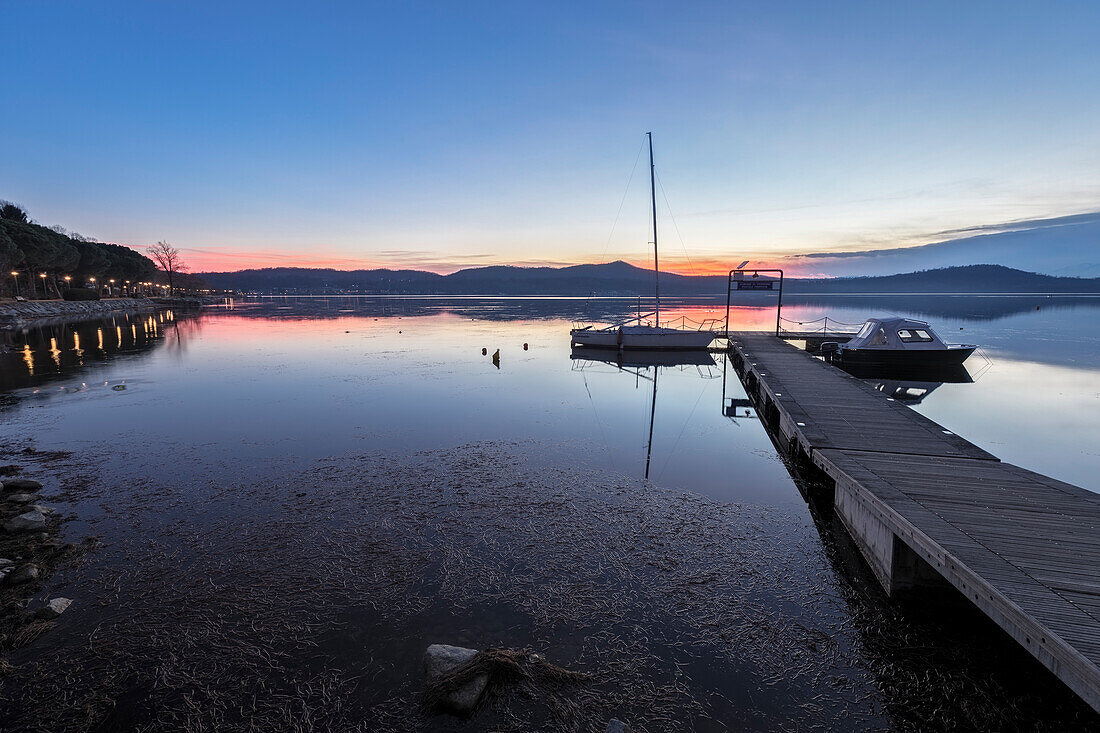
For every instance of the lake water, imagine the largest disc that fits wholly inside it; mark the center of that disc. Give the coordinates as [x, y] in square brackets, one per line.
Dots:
[294, 497]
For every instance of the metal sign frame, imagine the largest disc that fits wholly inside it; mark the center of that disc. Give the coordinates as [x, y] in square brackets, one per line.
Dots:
[755, 272]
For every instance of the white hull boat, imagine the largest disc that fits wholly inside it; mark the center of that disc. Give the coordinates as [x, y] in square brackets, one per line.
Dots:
[645, 336]
[649, 338]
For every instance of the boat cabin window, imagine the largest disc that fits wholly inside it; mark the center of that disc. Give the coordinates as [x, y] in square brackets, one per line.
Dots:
[865, 331]
[914, 335]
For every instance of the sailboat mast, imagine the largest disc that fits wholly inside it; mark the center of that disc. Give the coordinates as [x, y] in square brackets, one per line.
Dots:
[653, 197]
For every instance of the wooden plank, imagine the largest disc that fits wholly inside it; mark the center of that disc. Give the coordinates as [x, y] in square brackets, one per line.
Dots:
[1024, 547]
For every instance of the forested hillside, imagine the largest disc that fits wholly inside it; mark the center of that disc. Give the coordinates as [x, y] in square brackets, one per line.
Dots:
[32, 250]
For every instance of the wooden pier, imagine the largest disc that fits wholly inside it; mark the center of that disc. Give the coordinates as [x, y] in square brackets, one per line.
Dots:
[926, 506]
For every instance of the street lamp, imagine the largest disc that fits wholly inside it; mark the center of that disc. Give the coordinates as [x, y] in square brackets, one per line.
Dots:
[43, 276]
[15, 276]
[111, 290]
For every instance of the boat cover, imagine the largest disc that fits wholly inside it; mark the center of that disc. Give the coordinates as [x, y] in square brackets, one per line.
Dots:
[896, 334]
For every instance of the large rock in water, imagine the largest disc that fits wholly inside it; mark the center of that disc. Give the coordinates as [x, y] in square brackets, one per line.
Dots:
[441, 659]
[26, 522]
[21, 484]
[22, 498]
[54, 608]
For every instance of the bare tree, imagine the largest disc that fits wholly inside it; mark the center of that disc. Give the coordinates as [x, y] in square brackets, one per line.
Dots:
[169, 262]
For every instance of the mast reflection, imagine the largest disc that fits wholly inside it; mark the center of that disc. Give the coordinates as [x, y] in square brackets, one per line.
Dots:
[640, 363]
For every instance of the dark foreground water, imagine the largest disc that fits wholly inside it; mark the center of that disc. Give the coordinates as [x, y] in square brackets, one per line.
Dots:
[293, 498]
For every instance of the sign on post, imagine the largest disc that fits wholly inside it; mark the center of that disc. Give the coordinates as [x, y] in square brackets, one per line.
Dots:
[754, 284]
[757, 281]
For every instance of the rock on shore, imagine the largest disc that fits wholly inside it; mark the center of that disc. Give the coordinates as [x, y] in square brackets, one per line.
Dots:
[26, 522]
[442, 659]
[26, 485]
[21, 498]
[23, 574]
[54, 608]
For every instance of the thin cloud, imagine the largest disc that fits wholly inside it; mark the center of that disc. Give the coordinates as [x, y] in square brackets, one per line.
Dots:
[946, 235]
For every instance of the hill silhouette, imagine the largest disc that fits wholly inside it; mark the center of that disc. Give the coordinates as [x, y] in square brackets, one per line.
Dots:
[623, 279]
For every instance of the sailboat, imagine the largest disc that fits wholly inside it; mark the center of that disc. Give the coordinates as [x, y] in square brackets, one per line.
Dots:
[634, 333]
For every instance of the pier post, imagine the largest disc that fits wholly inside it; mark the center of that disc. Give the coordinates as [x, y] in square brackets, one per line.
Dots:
[896, 566]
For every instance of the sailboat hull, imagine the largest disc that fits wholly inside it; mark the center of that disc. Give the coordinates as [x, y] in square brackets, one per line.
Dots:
[647, 338]
[644, 338]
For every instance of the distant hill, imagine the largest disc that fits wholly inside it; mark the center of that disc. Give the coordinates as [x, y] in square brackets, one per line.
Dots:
[613, 278]
[620, 278]
[968, 279]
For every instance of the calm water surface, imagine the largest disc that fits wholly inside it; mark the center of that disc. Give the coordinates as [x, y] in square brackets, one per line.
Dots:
[334, 483]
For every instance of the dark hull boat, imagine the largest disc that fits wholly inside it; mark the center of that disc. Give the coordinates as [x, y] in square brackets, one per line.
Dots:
[900, 343]
[953, 355]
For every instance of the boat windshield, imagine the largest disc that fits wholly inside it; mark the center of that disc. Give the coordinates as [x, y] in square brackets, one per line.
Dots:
[914, 335]
[866, 330]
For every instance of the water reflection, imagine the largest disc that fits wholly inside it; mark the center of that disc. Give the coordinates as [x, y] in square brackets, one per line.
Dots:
[644, 365]
[639, 358]
[299, 353]
[51, 351]
[853, 308]
[910, 386]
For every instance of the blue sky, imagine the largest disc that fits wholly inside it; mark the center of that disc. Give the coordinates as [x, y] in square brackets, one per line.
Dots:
[450, 134]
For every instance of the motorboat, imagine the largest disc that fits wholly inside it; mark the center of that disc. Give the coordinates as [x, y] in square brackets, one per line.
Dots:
[901, 342]
[640, 332]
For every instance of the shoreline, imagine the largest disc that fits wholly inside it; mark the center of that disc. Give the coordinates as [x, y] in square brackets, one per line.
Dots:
[15, 315]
